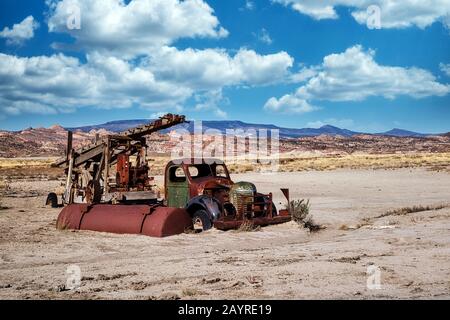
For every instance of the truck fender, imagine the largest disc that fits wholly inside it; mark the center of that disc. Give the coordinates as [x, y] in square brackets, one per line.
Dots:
[204, 202]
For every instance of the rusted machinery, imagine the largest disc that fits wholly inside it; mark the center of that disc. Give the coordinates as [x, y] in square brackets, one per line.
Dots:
[109, 189]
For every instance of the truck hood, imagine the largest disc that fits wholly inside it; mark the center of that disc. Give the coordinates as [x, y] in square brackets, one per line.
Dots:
[203, 182]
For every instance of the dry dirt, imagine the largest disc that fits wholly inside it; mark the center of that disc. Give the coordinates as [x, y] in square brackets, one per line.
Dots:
[412, 250]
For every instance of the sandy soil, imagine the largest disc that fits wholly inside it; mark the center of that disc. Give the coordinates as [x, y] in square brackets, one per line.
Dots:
[281, 262]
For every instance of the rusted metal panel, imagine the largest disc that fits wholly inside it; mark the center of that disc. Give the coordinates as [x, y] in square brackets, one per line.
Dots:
[123, 170]
[176, 187]
[178, 194]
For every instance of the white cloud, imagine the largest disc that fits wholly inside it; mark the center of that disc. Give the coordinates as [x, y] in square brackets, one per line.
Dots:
[394, 13]
[163, 81]
[264, 37]
[303, 75]
[20, 32]
[128, 30]
[59, 84]
[341, 123]
[445, 68]
[130, 62]
[212, 101]
[18, 107]
[289, 104]
[249, 5]
[354, 76]
[214, 68]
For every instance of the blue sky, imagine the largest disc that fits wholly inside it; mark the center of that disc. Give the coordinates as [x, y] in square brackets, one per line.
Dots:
[292, 63]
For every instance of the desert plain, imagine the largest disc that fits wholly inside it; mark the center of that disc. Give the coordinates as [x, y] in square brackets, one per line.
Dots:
[392, 220]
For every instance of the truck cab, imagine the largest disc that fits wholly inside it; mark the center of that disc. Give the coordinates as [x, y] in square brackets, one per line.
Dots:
[186, 179]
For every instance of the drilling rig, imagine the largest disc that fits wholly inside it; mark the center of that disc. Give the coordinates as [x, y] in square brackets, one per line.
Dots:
[106, 191]
[88, 169]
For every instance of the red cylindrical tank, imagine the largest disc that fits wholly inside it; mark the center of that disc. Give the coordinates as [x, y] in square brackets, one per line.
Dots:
[125, 219]
[166, 221]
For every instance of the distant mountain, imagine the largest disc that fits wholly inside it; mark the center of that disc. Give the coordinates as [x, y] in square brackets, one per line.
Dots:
[222, 126]
[122, 125]
[46, 142]
[403, 133]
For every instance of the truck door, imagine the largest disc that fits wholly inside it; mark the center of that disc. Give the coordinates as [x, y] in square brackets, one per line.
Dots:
[177, 189]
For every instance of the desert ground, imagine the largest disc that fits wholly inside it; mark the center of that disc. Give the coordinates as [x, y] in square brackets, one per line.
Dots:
[368, 214]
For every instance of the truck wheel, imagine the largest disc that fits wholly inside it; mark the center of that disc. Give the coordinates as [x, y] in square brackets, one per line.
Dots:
[52, 199]
[201, 220]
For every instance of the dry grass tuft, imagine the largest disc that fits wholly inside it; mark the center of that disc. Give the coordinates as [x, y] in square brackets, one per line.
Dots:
[3, 187]
[248, 226]
[436, 161]
[346, 227]
[191, 230]
[413, 209]
[29, 168]
[26, 162]
[307, 162]
[191, 292]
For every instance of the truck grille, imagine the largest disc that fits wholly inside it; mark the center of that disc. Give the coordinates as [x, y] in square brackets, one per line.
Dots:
[242, 197]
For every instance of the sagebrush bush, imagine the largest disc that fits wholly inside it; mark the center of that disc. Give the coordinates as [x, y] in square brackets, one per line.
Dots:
[300, 213]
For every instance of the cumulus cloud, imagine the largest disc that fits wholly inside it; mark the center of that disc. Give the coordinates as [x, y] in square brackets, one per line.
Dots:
[214, 68]
[289, 104]
[20, 32]
[130, 29]
[354, 76]
[162, 81]
[130, 62]
[394, 13]
[445, 68]
[264, 37]
[249, 5]
[212, 101]
[303, 74]
[59, 84]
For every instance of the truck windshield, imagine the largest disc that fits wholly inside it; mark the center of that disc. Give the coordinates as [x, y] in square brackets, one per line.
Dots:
[200, 170]
[206, 170]
[219, 170]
